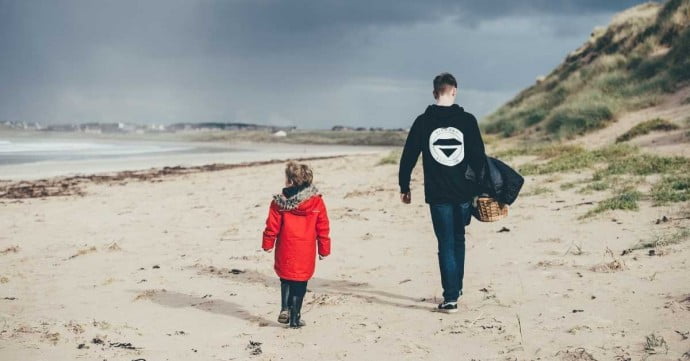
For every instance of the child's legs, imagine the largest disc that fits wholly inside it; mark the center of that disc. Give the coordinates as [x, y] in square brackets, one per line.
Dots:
[297, 291]
[284, 294]
[298, 288]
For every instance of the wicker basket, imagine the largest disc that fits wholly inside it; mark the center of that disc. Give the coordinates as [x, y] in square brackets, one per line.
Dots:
[490, 210]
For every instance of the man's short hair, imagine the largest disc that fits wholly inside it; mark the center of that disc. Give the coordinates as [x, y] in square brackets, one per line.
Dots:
[443, 83]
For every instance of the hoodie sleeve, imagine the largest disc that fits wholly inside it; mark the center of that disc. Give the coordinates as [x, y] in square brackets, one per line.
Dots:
[475, 148]
[410, 154]
[273, 224]
[323, 230]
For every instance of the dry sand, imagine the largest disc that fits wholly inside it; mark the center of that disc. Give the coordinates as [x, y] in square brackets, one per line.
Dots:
[172, 270]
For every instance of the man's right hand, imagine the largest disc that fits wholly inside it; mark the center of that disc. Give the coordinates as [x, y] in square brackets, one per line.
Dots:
[406, 197]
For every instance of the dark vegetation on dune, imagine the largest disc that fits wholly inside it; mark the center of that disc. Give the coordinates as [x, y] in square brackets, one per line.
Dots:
[325, 137]
[646, 127]
[618, 168]
[631, 64]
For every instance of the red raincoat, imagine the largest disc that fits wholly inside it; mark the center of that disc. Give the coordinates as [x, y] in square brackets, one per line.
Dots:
[296, 234]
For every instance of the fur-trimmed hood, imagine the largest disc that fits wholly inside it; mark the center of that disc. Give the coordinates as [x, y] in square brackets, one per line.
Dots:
[291, 203]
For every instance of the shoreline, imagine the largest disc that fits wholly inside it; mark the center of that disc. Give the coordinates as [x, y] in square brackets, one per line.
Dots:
[63, 158]
[71, 185]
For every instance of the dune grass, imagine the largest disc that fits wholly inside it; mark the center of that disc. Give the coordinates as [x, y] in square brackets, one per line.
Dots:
[645, 164]
[617, 70]
[391, 158]
[542, 151]
[617, 159]
[624, 200]
[567, 185]
[618, 168]
[647, 127]
[577, 119]
[574, 158]
[537, 191]
[671, 189]
[596, 187]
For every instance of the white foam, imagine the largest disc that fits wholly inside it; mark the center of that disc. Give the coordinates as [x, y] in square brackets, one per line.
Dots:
[84, 148]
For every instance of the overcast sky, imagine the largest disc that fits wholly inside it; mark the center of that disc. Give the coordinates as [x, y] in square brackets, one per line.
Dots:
[313, 64]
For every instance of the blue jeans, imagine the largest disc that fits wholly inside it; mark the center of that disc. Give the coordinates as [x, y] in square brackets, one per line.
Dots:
[449, 226]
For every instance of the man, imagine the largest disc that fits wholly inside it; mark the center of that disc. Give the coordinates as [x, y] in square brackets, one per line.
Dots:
[449, 140]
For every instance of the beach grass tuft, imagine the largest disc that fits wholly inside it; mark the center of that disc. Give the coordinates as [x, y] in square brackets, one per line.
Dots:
[671, 189]
[624, 200]
[647, 127]
[537, 191]
[391, 158]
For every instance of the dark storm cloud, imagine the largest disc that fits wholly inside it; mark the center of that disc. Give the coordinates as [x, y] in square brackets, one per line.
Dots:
[310, 63]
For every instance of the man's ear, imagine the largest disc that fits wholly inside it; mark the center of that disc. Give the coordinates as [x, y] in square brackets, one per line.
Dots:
[454, 92]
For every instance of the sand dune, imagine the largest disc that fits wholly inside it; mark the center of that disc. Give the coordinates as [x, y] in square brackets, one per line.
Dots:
[173, 270]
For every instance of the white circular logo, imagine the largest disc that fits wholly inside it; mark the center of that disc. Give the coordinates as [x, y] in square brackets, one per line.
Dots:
[447, 146]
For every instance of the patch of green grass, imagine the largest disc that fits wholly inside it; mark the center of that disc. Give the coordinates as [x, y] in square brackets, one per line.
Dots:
[595, 186]
[537, 191]
[577, 158]
[619, 159]
[555, 150]
[543, 151]
[575, 120]
[645, 164]
[503, 126]
[670, 189]
[568, 185]
[625, 200]
[647, 127]
[390, 158]
[574, 161]
[610, 183]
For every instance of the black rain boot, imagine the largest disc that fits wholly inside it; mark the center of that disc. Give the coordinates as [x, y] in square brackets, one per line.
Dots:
[284, 316]
[296, 312]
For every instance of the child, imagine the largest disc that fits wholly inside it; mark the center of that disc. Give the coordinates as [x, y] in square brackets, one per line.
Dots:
[297, 218]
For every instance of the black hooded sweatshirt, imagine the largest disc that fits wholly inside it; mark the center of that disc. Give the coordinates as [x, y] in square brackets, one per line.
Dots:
[449, 140]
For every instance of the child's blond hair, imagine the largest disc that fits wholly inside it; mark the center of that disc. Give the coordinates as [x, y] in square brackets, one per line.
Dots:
[298, 174]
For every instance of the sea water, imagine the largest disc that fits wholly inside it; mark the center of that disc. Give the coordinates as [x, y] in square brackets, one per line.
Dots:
[37, 150]
[26, 158]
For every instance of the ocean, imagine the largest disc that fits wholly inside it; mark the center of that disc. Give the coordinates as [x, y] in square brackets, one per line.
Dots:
[38, 150]
[25, 158]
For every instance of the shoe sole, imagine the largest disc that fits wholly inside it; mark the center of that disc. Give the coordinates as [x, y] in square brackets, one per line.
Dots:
[301, 324]
[454, 310]
[284, 320]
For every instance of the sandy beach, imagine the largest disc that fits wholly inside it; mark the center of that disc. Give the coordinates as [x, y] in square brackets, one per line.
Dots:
[171, 269]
